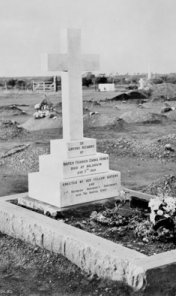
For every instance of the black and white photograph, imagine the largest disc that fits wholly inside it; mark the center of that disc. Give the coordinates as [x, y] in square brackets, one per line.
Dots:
[87, 148]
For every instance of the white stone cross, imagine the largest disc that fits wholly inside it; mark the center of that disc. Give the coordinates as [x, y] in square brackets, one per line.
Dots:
[72, 65]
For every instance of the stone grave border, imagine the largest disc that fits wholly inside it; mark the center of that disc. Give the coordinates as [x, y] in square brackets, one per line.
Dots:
[93, 254]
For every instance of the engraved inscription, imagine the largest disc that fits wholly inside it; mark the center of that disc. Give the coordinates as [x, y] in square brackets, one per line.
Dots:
[82, 148]
[86, 166]
[90, 186]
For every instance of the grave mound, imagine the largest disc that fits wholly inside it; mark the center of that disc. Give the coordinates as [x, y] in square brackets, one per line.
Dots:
[163, 91]
[11, 110]
[132, 95]
[166, 185]
[10, 129]
[91, 119]
[120, 222]
[94, 119]
[33, 124]
[143, 116]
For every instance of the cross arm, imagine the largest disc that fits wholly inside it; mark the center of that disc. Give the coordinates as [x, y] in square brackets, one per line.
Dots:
[59, 62]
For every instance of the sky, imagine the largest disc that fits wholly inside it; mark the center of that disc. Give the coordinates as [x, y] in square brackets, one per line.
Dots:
[129, 35]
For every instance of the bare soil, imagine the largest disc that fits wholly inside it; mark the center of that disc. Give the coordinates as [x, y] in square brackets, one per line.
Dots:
[136, 148]
[124, 225]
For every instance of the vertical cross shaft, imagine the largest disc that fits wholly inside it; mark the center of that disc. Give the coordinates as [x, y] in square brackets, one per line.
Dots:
[72, 89]
[71, 64]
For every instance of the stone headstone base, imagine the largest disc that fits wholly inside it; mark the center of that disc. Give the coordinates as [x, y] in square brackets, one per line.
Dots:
[35, 204]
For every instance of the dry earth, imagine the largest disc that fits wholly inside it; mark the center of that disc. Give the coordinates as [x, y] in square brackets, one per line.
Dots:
[135, 136]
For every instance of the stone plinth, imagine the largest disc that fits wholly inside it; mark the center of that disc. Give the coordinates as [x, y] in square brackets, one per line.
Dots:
[76, 167]
[73, 173]
[71, 149]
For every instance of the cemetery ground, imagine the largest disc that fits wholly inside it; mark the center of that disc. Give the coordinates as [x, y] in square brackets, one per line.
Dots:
[141, 143]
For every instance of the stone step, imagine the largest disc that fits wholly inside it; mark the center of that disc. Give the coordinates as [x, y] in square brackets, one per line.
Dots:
[75, 190]
[75, 167]
[60, 148]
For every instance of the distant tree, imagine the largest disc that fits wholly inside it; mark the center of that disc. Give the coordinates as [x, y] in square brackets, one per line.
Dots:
[164, 78]
[157, 80]
[86, 81]
[11, 83]
[21, 84]
[29, 85]
[171, 79]
[117, 80]
[133, 79]
[101, 79]
[110, 79]
[1, 83]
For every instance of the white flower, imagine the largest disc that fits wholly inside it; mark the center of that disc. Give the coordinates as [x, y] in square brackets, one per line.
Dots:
[154, 203]
[170, 205]
[160, 212]
[152, 217]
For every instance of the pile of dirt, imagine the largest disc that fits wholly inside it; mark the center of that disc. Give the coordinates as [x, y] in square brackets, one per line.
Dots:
[132, 95]
[33, 124]
[11, 110]
[143, 116]
[163, 91]
[10, 129]
[165, 185]
[95, 119]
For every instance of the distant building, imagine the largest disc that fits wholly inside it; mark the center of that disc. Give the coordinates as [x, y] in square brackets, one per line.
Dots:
[106, 87]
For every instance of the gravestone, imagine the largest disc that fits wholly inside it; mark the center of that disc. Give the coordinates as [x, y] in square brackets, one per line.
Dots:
[73, 173]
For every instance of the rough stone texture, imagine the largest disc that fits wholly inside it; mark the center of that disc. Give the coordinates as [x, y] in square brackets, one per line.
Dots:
[93, 254]
[158, 272]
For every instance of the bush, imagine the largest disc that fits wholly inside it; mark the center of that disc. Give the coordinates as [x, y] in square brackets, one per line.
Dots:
[11, 83]
[86, 81]
[21, 84]
[101, 79]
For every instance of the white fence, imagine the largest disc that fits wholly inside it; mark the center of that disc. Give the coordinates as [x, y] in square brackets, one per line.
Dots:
[44, 86]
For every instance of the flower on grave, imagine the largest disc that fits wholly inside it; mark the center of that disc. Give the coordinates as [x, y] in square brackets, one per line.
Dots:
[152, 217]
[155, 203]
[160, 212]
[162, 207]
[170, 205]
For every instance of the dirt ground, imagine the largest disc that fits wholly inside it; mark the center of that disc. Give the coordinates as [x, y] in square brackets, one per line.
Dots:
[136, 147]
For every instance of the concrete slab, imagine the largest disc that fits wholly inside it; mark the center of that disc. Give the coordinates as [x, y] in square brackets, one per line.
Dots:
[91, 253]
[31, 203]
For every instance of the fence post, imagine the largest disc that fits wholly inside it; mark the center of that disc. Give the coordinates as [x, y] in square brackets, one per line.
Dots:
[55, 83]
